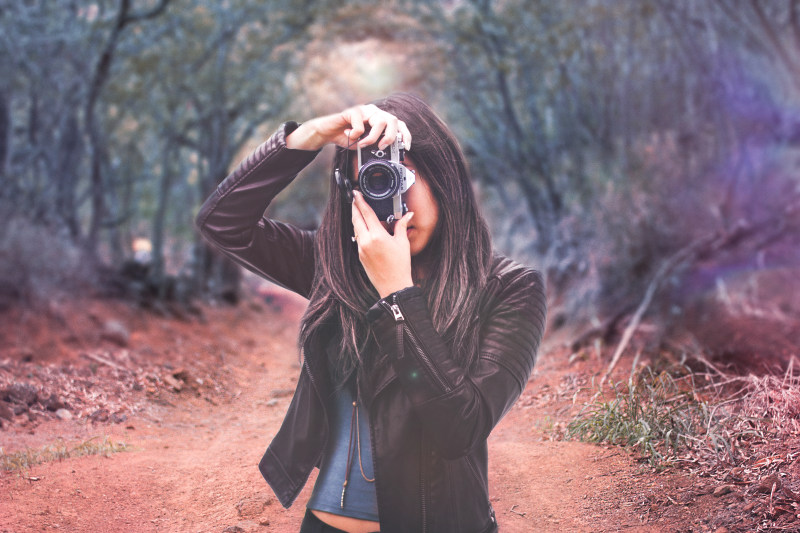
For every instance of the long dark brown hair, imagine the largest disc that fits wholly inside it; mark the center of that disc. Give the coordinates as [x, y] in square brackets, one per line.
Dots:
[456, 260]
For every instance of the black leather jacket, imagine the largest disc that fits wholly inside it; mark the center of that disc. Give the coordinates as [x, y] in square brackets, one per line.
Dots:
[429, 417]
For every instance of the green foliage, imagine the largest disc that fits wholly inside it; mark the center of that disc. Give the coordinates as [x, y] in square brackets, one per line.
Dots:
[654, 413]
[24, 459]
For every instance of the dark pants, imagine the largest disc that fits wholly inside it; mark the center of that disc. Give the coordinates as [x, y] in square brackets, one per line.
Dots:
[312, 524]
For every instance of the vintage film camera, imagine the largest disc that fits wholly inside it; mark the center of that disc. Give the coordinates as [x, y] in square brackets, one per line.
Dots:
[382, 179]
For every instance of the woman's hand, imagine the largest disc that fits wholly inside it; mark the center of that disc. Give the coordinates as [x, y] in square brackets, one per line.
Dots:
[343, 129]
[386, 258]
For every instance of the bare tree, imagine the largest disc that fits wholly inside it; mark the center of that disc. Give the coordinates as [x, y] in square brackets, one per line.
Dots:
[630, 128]
[125, 17]
[221, 73]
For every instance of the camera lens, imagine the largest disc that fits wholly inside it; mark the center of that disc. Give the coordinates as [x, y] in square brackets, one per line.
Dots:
[378, 180]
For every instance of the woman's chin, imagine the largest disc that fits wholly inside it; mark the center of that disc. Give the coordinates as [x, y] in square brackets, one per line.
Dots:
[416, 248]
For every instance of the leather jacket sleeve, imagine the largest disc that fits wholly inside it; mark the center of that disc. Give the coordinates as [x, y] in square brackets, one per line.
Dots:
[459, 407]
[232, 218]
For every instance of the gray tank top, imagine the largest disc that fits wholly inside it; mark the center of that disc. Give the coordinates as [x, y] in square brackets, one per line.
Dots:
[360, 498]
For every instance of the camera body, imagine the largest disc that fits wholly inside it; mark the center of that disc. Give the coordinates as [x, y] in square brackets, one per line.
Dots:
[382, 179]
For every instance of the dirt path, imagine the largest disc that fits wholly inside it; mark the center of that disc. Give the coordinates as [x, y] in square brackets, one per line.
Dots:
[192, 466]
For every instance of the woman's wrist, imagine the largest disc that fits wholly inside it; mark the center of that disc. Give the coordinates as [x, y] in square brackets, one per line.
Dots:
[305, 137]
[388, 290]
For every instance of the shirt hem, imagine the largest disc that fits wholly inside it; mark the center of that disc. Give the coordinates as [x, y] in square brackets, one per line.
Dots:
[339, 511]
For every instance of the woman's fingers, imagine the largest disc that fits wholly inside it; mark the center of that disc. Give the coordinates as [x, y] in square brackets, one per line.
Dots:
[391, 127]
[359, 224]
[364, 213]
[386, 258]
[384, 127]
[405, 133]
[377, 123]
[401, 227]
[354, 116]
[390, 133]
[345, 129]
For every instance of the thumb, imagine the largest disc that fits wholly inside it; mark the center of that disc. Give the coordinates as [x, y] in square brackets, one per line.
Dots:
[402, 224]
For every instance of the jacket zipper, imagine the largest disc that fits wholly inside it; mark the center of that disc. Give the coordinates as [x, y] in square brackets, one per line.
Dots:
[439, 379]
[402, 325]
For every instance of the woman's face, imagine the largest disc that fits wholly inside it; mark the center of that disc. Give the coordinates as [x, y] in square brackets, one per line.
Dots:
[419, 199]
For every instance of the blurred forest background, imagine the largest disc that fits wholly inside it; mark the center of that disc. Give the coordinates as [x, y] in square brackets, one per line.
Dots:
[642, 153]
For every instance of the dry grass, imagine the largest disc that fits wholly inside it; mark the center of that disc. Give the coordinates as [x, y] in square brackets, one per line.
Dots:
[759, 418]
[654, 412]
[741, 431]
[713, 420]
[24, 459]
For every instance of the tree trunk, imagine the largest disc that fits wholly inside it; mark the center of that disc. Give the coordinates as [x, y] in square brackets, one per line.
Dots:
[97, 143]
[158, 265]
[98, 146]
[70, 149]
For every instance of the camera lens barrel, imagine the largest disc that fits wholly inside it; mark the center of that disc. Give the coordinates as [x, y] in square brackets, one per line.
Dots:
[379, 179]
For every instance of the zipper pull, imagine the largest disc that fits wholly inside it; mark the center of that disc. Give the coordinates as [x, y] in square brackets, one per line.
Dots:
[398, 315]
[394, 308]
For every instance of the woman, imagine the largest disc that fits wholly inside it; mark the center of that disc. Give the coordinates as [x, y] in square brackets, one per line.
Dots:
[417, 338]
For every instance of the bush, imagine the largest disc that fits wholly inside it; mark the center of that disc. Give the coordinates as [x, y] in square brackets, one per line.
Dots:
[653, 413]
[39, 263]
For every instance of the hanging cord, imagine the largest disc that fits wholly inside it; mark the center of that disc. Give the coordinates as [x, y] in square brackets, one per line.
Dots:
[346, 177]
[343, 181]
[358, 443]
[350, 453]
[347, 156]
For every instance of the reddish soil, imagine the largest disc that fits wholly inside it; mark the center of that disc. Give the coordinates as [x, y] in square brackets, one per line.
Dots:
[191, 465]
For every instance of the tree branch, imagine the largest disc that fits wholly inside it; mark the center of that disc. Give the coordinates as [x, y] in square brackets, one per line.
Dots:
[771, 34]
[701, 249]
[152, 13]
